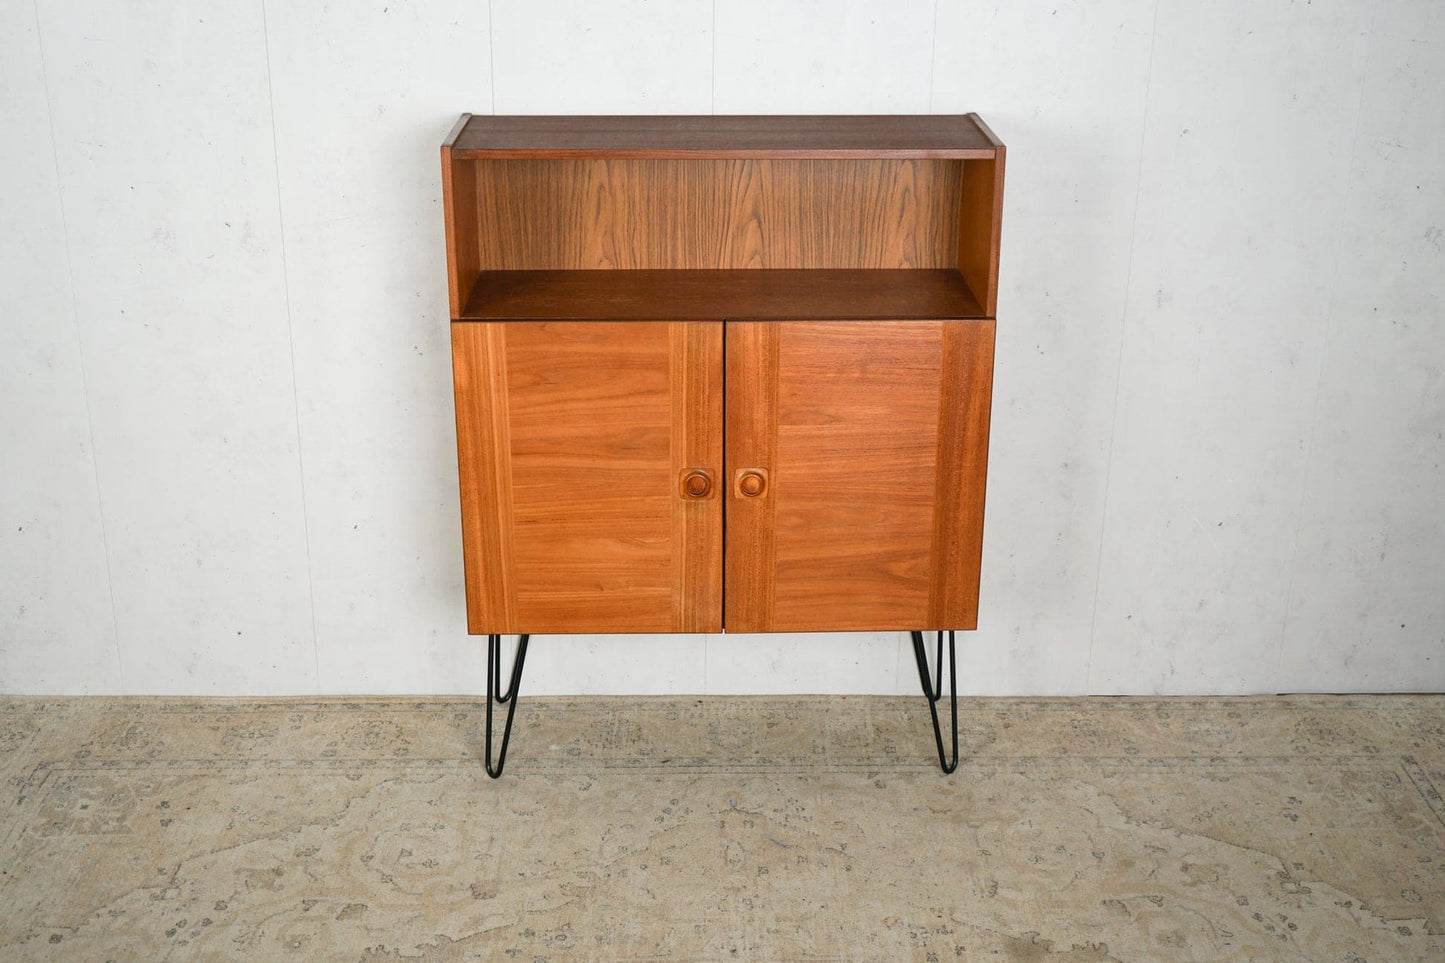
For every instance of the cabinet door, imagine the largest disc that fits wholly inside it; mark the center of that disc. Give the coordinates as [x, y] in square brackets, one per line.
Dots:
[856, 460]
[590, 458]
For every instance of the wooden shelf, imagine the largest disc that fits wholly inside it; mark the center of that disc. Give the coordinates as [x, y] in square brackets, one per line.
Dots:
[734, 295]
[957, 136]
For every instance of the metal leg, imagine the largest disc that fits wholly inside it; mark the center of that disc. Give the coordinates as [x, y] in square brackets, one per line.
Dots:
[937, 689]
[495, 695]
[933, 689]
[504, 697]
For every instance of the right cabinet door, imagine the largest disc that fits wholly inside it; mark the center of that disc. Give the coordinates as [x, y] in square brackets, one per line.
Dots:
[855, 463]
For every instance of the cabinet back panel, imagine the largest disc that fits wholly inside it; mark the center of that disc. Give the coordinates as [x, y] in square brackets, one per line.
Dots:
[652, 214]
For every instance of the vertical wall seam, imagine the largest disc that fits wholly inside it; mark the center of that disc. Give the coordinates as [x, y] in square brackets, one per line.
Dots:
[933, 58]
[291, 345]
[80, 351]
[491, 59]
[712, 73]
[1119, 362]
[1327, 340]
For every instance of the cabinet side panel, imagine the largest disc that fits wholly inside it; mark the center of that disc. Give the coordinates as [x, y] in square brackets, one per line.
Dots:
[751, 442]
[484, 472]
[980, 226]
[660, 214]
[964, 400]
[459, 202]
[854, 474]
[695, 373]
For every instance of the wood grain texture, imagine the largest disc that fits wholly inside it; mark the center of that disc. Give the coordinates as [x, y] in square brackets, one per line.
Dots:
[965, 400]
[850, 530]
[854, 486]
[726, 136]
[580, 466]
[980, 225]
[695, 373]
[749, 560]
[720, 295]
[479, 376]
[984, 131]
[671, 214]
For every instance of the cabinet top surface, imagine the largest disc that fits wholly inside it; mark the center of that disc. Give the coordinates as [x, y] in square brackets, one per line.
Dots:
[962, 136]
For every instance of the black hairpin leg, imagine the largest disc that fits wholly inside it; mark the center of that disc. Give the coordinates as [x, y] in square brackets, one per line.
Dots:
[495, 695]
[933, 689]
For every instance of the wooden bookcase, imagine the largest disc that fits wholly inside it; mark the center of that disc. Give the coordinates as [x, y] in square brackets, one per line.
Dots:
[722, 373]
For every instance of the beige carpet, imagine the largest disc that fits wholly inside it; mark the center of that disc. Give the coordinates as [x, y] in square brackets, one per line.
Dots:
[801, 828]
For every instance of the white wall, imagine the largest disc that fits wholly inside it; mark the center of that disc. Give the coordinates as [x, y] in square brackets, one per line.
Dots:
[226, 452]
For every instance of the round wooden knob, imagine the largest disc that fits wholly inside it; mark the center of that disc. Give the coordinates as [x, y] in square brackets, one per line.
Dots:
[751, 483]
[696, 483]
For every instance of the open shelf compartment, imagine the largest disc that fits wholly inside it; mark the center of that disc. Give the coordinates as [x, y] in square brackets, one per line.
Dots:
[760, 218]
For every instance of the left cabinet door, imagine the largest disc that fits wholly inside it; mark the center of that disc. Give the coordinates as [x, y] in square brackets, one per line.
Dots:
[590, 457]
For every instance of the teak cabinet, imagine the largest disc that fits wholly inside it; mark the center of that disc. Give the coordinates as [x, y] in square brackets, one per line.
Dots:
[722, 373]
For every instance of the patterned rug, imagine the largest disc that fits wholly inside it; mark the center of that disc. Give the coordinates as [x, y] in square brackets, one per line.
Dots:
[779, 828]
